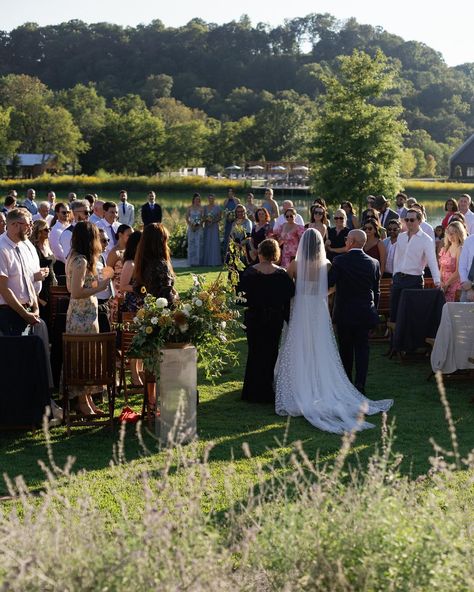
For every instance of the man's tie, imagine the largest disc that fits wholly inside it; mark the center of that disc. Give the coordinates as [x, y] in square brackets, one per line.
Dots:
[123, 207]
[25, 278]
[112, 235]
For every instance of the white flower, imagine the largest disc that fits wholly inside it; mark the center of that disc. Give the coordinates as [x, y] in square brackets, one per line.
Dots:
[154, 320]
[136, 320]
[161, 302]
[223, 338]
[184, 328]
[197, 301]
[223, 325]
[187, 309]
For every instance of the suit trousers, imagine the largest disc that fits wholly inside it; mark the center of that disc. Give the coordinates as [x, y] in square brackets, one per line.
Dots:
[354, 346]
[402, 282]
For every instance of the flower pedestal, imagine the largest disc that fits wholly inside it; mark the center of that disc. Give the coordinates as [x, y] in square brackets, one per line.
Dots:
[177, 393]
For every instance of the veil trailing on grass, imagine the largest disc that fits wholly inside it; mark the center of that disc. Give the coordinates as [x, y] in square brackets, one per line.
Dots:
[309, 376]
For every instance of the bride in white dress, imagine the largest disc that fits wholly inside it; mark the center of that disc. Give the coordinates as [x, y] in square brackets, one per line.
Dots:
[309, 376]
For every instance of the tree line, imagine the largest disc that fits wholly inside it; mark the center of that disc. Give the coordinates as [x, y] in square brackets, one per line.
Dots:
[147, 98]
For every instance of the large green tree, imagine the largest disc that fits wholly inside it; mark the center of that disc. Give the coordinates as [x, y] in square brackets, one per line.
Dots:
[358, 143]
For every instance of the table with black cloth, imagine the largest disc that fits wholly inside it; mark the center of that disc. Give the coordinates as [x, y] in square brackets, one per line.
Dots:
[24, 391]
[418, 317]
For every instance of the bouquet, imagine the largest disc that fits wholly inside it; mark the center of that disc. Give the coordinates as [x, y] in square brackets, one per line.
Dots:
[207, 317]
[229, 215]
[196, 222]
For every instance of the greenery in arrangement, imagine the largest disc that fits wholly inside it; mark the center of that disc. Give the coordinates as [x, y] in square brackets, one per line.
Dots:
[205, 315]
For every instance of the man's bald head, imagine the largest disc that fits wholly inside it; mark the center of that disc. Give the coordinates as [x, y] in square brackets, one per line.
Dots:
[356, 239]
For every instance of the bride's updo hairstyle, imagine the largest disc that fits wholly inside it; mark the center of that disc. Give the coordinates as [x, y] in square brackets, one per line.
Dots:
[269, 249]
[311, 265]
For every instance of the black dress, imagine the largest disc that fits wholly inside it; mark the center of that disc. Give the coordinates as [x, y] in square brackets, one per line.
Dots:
[50, 280]
[268, 305]
[337, 240]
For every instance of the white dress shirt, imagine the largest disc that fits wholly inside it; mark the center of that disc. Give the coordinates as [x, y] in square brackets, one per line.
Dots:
[281, 220]
[110, 230]
[428, 229]
[95, 219]
[33, 263]
[107, 293]
[65, 242]
[54, 243]
[469, 217]
[412, 255]
[466, 258]
[48, 218]
[11, 268]
[390, 250]
[127, 217]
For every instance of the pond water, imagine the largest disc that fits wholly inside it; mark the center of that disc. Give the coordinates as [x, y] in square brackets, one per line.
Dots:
[174, 204]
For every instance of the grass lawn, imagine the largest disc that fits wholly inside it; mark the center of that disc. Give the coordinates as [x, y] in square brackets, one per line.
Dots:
[227, 422]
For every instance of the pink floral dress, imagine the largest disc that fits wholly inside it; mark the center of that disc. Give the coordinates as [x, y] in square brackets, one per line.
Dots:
[289, 242]
[447, 266]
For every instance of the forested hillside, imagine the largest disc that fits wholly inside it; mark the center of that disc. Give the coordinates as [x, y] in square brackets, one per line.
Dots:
[162, 97]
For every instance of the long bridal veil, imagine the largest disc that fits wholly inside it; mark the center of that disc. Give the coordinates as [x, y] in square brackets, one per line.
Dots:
[309, 377]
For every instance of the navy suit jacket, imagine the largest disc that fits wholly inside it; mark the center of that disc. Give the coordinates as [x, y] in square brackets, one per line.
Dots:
[357, 280]
[151, 215]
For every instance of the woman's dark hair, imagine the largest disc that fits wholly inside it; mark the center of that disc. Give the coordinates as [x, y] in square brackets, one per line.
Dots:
[376, 226]
[324, 217]
[152, 248]
[454, 202]
[90, 198]
[85, 241]
[320, 201]
[371, 213]
[348, 205]
[132, 244]
[195, 196]
[9, 200]
[269, 249]
[121, 229]
[289, 210]
[267, 215]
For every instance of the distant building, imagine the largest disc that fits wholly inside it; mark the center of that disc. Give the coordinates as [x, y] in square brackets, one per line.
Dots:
[27, 166]
[192, 172]
[461, 163]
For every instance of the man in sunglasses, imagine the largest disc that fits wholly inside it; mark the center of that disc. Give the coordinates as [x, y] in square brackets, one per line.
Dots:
[414, 249]
[81, 212]
[61, 211]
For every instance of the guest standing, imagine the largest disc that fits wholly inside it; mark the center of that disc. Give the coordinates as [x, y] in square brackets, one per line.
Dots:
[239, 236]
[466, 269]
[39, 238]
[450, 207]
[352, 219]
[151, 211]
[268, 290]
[230, 204]
[115, 261]
[271, 206]
[260, 232]
[449, 260]
[212, 247]
[336, 241]
[288, 237]
[82, 283]
[318, 220]
[390, 244]
[59, 223]
[126, 210]
[374, 247]
[250, 207]
[195, 222]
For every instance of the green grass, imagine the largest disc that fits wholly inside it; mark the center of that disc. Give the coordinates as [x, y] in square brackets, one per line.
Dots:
[227, 422]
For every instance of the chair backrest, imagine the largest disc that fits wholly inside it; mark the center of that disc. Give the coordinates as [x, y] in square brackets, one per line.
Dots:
[126, 336]
[428, 283]
[56, 294]
[384, 299]
[89, 359]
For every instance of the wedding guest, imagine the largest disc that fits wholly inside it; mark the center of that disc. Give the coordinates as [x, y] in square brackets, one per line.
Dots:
[58, 225]
[104, 297]
[374, 247]
[401, 200]
[370, 205]
[71, 196]
[29, 203]
[250, 207]
[126, 210]
[260, 232]
[414, 249]
[288, 237]
[109, 224]
[449, 260]
[81, 212]
[319, 201]
[195, 222]
[319, 220]
[240, 234]
[450, 207]
[153, 269]
[212, 247]
[270, 205]
[43, 213]
[385, 213]
[390, 244]
[115, 261]
[352, 219]
[466, 269]
[230, 203]
[458, 217]
[98, 212]
[51, 199]
[9, 203]
[439, 238]
[39, 238]
[373, 214]
[82, 313]
[464, 203]
[151, 211]
[268, 290]
[278, 223]
[336, 241]
[427, 228]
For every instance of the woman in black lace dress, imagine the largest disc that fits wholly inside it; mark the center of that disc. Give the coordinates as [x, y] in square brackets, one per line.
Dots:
[39, 238]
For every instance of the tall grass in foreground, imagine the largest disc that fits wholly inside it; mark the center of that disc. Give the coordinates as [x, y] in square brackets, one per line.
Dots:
[304, 527]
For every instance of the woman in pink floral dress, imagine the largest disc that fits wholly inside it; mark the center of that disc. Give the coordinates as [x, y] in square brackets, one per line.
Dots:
[449, 259]
[288, 237]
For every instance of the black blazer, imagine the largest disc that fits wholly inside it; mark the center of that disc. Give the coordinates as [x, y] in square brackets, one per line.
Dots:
[151, 215]
[357, 280]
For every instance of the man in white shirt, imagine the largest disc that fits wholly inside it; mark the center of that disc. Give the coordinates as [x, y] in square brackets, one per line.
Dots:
[110, 225]
[464, 203]
[466, 267]
[281, 218]
[98, 212]
[390, 243]
[81, 213]
[414, 249]
[427, 228]
[43, 213]
[126, 211]
[103, 298]
[61, 211]
[51, 197]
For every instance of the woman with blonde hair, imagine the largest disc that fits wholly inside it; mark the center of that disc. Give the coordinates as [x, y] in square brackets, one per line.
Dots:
[454, 238]
[336, 241]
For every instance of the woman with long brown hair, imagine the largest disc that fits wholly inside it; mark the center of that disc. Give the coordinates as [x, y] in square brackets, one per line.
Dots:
[153, 269]
[40, 239]
[83, 284]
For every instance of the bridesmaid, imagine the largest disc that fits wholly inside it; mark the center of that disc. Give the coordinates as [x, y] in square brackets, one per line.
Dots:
[288, 237]
[250, 207]
[212, 247]
[449, 260]
[115, 261]
[229, 206]
[195, 221]
[40, 240]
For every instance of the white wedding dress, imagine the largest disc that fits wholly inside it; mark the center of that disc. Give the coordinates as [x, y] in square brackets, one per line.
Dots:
[309, 377]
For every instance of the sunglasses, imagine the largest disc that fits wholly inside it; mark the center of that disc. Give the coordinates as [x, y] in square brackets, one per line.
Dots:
[63, 212]
[338, 217]
[46, 230]
[393, 229]
[367, 228]
[289, 216]
[318, 213]
[105, 240]
[411, 219]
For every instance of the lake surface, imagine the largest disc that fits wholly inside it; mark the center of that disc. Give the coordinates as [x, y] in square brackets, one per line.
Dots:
[174, 204]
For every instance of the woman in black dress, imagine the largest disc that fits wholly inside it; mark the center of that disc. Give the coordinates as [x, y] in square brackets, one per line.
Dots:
[39, 238]
[268, 290]
[260, 230]
[336, 241]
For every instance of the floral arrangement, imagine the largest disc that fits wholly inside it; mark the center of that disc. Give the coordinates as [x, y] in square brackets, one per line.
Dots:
[229, 215]
[196, 222]
[207, 317]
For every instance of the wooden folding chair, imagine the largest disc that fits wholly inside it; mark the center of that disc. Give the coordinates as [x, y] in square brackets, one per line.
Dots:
[57, 294]
[126, 337]
[89, 360]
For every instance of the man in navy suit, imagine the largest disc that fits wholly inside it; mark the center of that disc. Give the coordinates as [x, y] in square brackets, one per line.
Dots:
[151, 211]
[357, 280]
